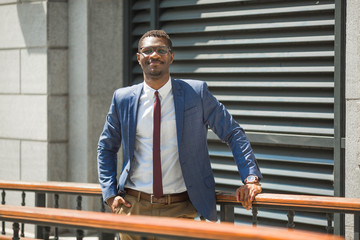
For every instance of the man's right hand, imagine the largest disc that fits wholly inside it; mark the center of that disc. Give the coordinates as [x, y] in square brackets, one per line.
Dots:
[116, 202]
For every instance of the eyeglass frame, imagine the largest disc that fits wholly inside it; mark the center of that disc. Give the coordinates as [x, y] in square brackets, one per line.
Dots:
[155, 49]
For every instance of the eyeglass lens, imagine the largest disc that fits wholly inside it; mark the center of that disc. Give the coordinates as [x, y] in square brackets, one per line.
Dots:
[150, 50]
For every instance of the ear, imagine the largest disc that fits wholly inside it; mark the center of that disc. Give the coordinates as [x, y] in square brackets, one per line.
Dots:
[172, 57]
[138, 57]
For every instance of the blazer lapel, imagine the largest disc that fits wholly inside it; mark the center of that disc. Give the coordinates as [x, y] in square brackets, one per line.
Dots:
[178, 94]
[133, 109]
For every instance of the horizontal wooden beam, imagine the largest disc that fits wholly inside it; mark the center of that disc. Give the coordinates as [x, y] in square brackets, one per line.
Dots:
[150, 225]
[270, 199]
[52, 187]
[305, 201]
[9, 237]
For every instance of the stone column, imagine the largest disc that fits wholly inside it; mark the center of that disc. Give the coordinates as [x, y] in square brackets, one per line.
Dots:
[95, 72]
[352, 152]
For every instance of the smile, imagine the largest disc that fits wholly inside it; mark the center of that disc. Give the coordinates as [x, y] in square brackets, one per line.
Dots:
[154, 62]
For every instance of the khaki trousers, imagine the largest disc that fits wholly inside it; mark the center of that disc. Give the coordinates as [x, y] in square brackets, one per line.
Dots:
[142, 207]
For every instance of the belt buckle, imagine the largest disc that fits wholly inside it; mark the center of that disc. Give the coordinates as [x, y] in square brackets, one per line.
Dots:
[152, 202]
[151, 199]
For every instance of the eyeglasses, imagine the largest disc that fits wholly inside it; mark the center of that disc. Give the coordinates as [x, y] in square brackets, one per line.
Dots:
[147, 51]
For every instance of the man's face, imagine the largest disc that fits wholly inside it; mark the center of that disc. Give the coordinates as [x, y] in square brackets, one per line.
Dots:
[155, 64]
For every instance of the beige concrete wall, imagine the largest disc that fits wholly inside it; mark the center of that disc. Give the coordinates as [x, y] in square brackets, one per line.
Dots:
[60, 62]
[33, 94]
[33, 90]
[352, 150]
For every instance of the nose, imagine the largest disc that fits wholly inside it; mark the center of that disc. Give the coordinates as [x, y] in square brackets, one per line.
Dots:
[154, 54]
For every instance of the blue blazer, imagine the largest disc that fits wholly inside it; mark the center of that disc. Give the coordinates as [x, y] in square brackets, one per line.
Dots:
[196, 110]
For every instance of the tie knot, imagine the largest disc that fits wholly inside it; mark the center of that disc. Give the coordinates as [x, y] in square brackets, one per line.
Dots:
[156, 94]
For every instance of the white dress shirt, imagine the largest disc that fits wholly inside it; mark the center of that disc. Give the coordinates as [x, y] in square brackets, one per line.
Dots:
[141, 171]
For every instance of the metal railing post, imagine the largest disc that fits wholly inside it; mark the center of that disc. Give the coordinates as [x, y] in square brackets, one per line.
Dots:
[16, 229]
[40, 199]
[291, 215]
[227, 213]
[356, 226]
[3, 203]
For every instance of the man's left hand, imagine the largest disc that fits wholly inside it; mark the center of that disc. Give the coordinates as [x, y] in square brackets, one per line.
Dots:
[246, 194]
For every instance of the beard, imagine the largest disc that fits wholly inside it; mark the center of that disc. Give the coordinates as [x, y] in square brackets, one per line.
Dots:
[155, 73]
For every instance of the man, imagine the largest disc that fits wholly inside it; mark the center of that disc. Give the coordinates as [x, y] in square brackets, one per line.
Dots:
[177, 142]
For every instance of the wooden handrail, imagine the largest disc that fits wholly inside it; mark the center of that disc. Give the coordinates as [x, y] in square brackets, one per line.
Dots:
[151, 225]
[306, 201]
[8, 237]
[58, 187]
[334, 203]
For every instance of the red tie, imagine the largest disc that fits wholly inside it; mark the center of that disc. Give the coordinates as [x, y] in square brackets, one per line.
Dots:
[157, 176]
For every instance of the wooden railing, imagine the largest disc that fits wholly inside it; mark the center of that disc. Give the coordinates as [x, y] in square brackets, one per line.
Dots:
[293, 203]
[227, 201]
[299, 203]
[143, 225]
[41, 189]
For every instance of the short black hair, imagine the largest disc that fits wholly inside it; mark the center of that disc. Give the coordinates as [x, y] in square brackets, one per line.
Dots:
[156, 33]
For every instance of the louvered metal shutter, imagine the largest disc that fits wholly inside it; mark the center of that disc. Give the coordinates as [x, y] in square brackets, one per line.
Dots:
[271, 63]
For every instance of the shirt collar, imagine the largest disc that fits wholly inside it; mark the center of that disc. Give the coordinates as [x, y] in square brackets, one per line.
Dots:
[163, 91]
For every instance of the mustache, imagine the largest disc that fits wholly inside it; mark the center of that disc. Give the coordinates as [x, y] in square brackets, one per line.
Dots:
[154, 61]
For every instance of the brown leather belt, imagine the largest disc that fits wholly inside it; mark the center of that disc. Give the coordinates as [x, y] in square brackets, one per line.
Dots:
[166, 199]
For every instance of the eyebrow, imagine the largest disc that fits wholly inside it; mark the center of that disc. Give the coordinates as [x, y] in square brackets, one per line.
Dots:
[154, 46]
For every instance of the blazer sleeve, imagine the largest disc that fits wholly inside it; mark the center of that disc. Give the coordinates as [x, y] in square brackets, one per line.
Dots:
[108, 147]
[229, 131]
